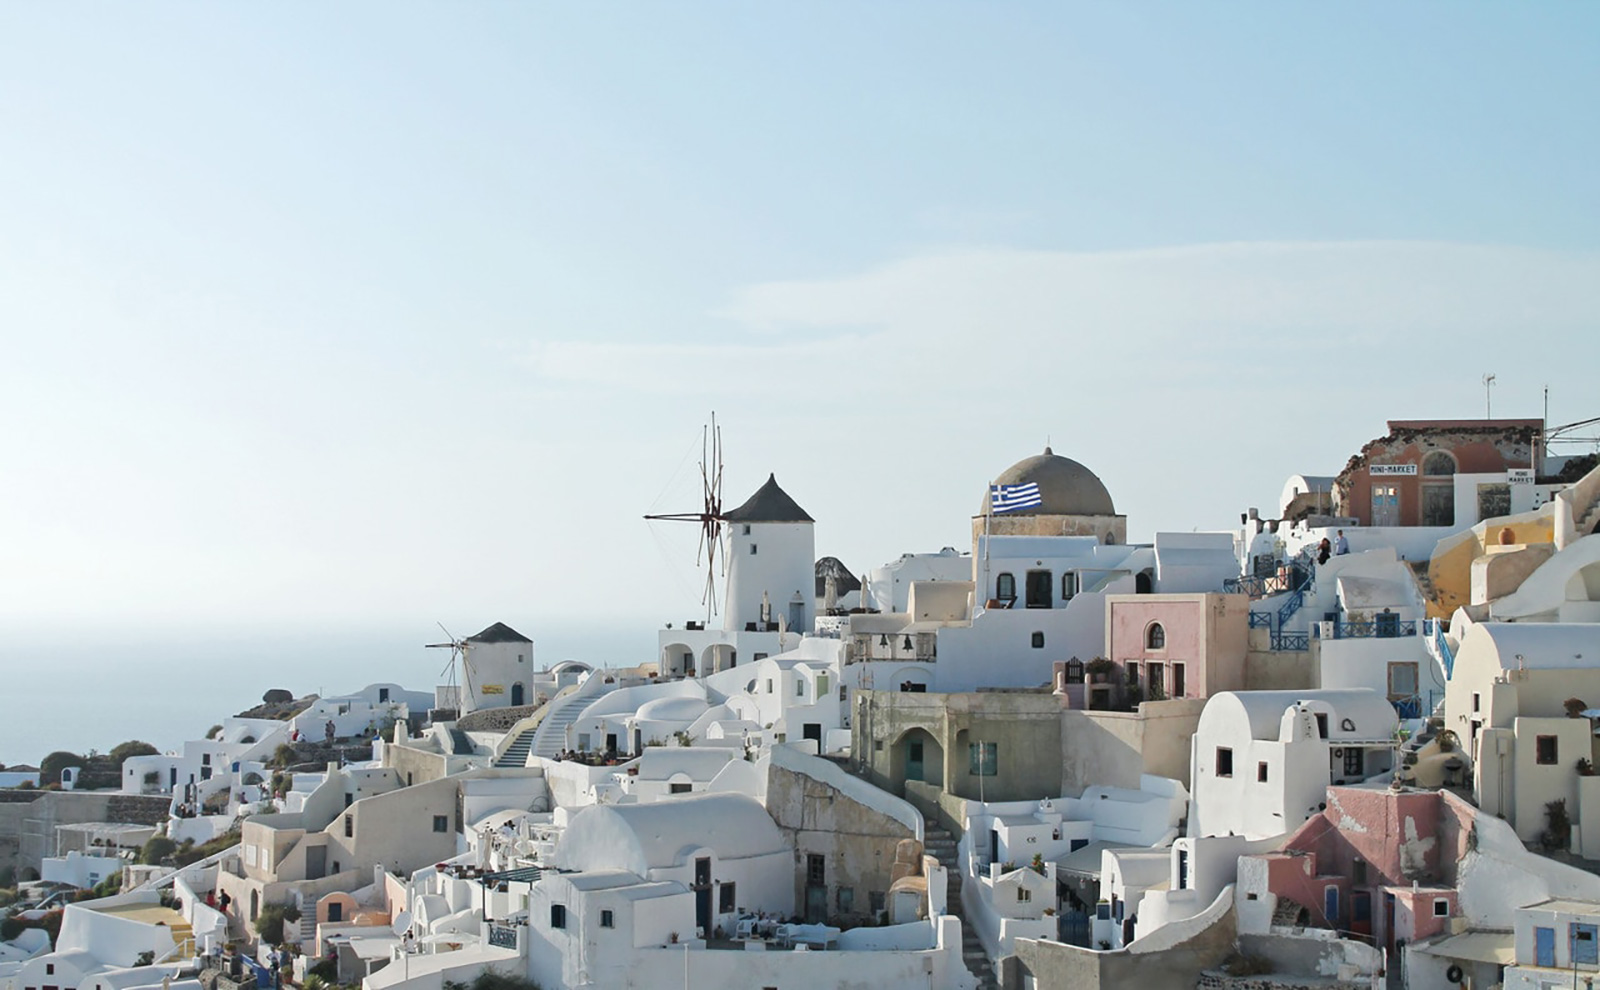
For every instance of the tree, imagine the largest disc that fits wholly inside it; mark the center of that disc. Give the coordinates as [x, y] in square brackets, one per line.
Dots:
[269, 923]
[51, 766]
[156, 849]
[133, 747]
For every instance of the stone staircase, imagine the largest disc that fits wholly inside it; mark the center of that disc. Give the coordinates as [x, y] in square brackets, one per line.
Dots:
[516, 754]
[941, 845]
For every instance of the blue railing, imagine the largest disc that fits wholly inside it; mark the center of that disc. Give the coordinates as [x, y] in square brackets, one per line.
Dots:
[1441, 645]
[1290, 577]
[1260, 620]
[1412, 707]
[1379, 629]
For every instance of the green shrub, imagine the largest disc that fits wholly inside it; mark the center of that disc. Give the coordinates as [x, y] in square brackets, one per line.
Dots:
[133, 747]
[489, 979]
[271, 919]
[191, 853]
[51, 766]
[156, 849]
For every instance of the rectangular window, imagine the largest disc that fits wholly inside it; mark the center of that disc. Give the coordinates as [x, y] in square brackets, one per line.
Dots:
[1131, 667]
[822, 685]
[1179, 687]
[1358, 871]
[1544, 750]
[746, 529]
[816, 869]
[1224, 761]
[608, 919]
[876, 900]
[1038, 640]
[1355, 761]
[799, 687]
[1261, 773]
[1476, 700]
[983, 758]
[726, 900]
[349, 826]
[679, 788]
[847, 899]
[1402, 680]
[1441, 907]
[1322, 725]
[752, 549]
[1024, 894]
[1069, 586]
[558, 916]
[441, 823]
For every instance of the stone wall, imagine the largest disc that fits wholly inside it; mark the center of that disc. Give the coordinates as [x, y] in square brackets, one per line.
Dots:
[857, 842]
[1218, 980]
[495, 719]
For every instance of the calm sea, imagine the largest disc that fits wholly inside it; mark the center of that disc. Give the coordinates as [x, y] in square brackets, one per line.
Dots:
[92, 691]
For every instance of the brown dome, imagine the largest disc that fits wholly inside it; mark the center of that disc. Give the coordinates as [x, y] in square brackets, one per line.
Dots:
[1067, 487]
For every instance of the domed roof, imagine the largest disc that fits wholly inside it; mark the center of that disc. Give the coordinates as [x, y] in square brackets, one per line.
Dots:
[672, 709]
[1067, 487]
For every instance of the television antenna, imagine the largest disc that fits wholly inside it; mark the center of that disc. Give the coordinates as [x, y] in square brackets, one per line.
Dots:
[1488, 383]
[710, 515]
[458, 653]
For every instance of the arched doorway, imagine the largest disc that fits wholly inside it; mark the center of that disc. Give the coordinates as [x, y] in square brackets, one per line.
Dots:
[918, 757]
[518, 695]
[677, 660]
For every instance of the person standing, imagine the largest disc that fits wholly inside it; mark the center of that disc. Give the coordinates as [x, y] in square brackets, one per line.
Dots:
[1341, 546]
[1324, 551]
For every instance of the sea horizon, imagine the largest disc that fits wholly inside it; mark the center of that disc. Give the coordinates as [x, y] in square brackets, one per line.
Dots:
[164, 686]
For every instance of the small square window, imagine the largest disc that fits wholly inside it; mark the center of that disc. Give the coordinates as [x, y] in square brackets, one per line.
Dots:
[1261, 773]
[1224, 761]
[1024, 894]
[984, 759]
[441, 823]
[608, 919]
[1038, 640]
[752, 549]
[746, 529]
[1441, 907]
[558, 916]
[1544, 748]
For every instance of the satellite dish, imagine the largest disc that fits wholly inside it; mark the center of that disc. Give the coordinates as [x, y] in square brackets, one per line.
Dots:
[402, 921]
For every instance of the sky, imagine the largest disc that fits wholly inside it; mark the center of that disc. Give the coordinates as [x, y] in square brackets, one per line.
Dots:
[326, 324]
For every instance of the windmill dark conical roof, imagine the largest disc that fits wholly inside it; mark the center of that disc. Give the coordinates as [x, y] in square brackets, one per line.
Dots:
[499, 633]
[769, 504]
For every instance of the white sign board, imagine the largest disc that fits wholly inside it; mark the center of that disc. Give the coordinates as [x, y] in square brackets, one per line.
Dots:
[1520, 476]
[1377, 469]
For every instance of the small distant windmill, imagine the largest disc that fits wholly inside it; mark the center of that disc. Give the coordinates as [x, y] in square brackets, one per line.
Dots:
[710, 515]
[458, 652]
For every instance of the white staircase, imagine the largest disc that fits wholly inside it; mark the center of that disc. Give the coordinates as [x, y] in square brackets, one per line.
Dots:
[551, 736]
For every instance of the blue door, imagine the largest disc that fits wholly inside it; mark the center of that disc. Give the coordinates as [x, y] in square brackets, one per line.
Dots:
[1544, 947]
[1330, 905]
[1585, 942]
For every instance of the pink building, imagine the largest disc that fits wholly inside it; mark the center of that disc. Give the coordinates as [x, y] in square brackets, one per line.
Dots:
[1376, 863]
[1163, 647]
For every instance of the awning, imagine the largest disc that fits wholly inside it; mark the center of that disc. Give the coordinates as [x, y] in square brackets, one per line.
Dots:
[1495, 947]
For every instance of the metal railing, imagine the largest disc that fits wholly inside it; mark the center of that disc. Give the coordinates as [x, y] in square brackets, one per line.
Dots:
[1290, 642]
[503, 936]
[1260, 620]
[1374, 630]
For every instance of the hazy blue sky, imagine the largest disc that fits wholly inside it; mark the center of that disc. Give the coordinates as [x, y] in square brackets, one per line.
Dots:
[360, 316]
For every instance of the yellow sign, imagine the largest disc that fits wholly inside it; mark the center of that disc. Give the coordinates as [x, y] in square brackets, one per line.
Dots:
[492, 689]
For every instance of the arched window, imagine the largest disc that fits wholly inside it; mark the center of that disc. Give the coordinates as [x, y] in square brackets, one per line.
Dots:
[1005, 588]
[1155, 637]
[1438, 463]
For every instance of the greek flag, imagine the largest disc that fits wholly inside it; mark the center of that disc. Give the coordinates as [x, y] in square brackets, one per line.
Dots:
[1010, 498]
